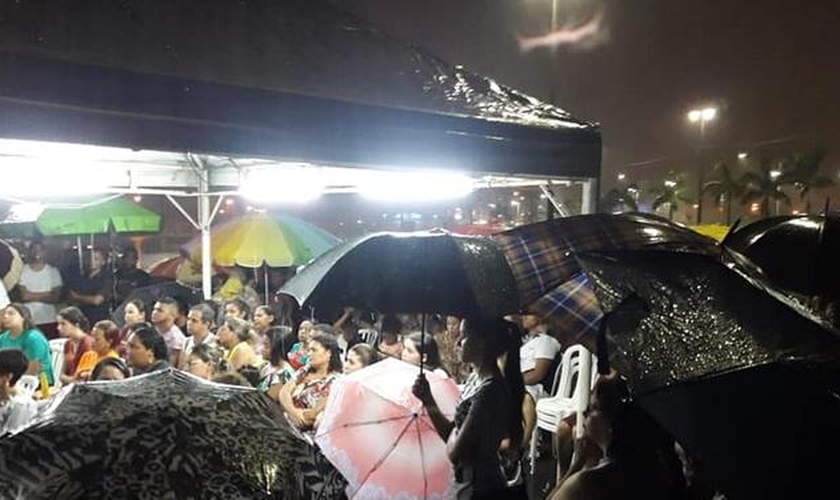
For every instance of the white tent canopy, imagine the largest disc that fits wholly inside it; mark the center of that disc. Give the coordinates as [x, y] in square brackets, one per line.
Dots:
[51, 171]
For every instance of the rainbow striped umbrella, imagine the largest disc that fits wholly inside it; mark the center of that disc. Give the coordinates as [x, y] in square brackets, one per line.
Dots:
[278, 240]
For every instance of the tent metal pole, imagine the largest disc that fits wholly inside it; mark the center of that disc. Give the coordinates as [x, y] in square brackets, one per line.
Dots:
[205, 218]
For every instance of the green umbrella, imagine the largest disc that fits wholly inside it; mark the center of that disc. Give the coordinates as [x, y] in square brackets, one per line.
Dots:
[118, 213]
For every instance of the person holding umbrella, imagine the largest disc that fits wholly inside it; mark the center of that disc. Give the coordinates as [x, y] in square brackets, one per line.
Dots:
[475, 436]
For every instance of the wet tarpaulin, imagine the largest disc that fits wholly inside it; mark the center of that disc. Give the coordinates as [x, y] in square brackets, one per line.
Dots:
[298, 79]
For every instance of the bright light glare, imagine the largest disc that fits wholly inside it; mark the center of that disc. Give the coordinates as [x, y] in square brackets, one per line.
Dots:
[670, 183]
[742, 156]
[774, 174]
[25, 212]
[413, 186]
[702, 115]
[283, 184]
[621, 177]
[38, 179]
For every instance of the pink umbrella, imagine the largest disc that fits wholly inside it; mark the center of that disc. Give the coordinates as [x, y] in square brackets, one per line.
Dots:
[377, 434]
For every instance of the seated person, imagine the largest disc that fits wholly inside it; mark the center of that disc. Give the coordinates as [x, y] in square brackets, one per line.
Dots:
[535, 357]
[632, 465]
[110, 369]
[390, 343]
[147, 351]
[304, 397]
[297, 355]
[106, 340]
[233, 335]
[206, 361]
[360, 356]
[15, 411]
[417, 349]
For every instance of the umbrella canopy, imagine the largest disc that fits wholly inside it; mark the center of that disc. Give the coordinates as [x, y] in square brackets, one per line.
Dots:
[769, 431]
[797, 253]
[166, 268]
[702, 317]
[162, 435]
[541, 256]
[421, 272]
[186, 297]
[378, 435]
[278, 240]
[119, 214]
[709, 341]
[11, 265]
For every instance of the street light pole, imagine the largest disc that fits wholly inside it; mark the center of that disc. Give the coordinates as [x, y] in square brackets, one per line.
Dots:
[701, 116]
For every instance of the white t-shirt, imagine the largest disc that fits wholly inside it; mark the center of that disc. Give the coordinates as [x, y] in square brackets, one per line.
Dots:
[540, 346]
[41, 281]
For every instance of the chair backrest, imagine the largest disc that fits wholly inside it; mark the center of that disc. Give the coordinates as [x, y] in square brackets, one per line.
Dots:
[569, 368]
[370, 336]
[557, 369]
[57, 357]
[27, 385]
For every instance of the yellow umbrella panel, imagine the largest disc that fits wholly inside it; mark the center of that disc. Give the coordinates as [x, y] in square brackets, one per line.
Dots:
[261, 239]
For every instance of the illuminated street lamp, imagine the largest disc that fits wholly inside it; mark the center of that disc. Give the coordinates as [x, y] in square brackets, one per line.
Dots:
[621, 176]
[742, 156]
[701, 116]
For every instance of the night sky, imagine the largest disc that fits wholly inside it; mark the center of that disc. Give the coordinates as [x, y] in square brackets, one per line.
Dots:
[772, 66]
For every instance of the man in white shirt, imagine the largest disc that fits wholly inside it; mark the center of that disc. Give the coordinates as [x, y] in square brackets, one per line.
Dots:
[163, 317]
[199, 326]
[535, 357]
[40, 288]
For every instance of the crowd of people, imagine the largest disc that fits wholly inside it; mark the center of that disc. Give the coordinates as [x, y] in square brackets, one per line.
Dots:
[503, 367]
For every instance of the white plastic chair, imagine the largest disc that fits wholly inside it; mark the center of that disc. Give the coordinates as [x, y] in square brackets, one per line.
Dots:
[569, 396]
[27, 385]
[369, 336]
[57, 360]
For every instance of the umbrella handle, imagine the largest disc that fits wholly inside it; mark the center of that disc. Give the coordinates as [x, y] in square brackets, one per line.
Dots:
[422, 340]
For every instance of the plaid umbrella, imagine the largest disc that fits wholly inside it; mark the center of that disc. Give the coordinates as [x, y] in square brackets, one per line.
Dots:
[550, 280]
[541, 256]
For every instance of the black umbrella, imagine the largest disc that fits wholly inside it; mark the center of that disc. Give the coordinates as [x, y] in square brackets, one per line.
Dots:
[798, 253]
[162, 435]
[428, 272]
[724, 363]
[186, 297]
[703, 316]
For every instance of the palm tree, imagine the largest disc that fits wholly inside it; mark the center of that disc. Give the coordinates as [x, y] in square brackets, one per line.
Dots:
[765, 186]
[621, 199]
[724, 188]
[804, 173]
[671, 192]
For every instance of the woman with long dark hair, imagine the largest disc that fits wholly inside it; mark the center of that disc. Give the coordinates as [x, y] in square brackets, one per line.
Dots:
[74, 326]
[305, 396]
[21, 334]
[276, 369]
[489, 412]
